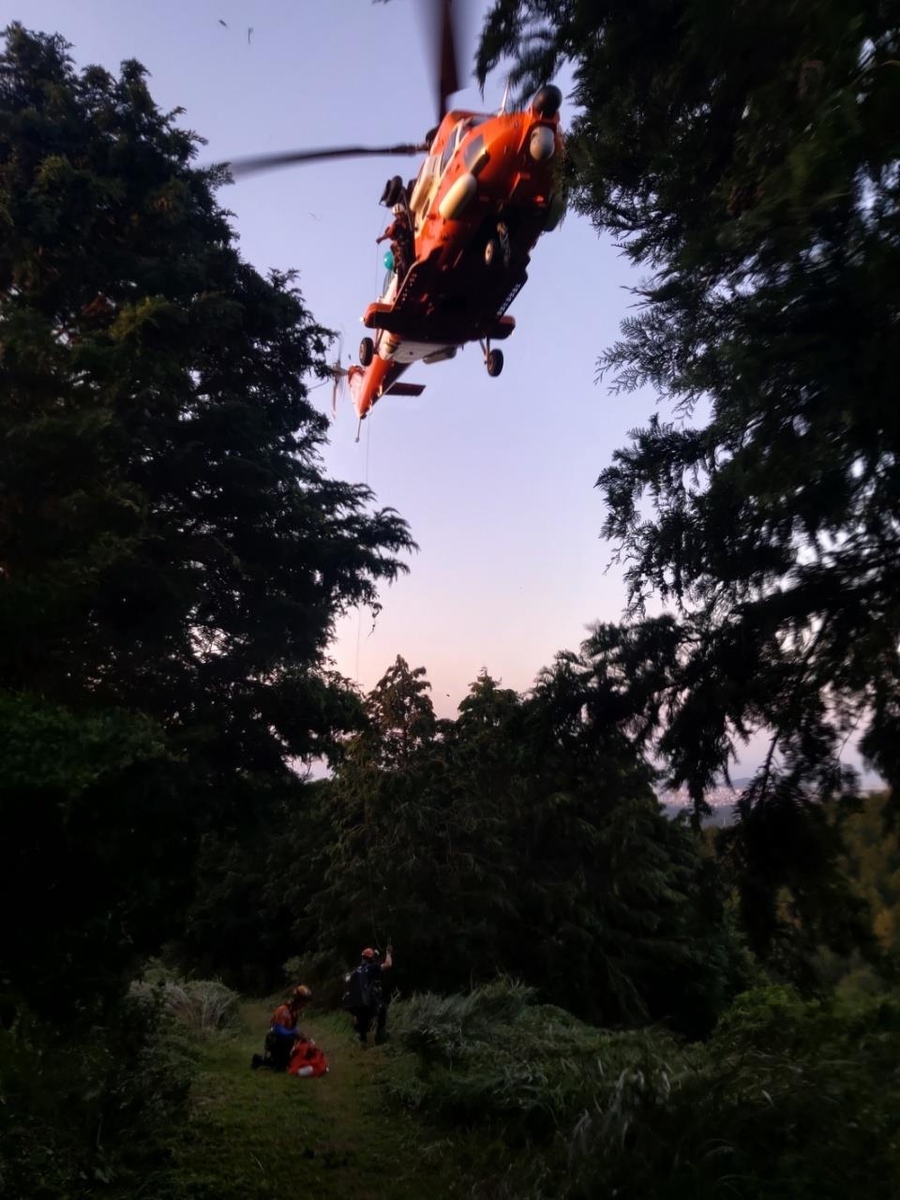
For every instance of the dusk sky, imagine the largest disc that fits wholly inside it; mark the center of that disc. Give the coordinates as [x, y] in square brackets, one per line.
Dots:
[495, 476]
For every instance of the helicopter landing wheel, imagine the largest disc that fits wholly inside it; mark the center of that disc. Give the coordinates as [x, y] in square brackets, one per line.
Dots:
[497, 249]
[494, 362]
[366, 351]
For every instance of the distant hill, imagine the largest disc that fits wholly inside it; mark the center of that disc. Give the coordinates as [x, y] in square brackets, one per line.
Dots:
[722, 799]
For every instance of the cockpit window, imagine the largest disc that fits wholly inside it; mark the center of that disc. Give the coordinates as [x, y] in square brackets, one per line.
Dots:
[457, 134]
[450, 147]
[474, 151]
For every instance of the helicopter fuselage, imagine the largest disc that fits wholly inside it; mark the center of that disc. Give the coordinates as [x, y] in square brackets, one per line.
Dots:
[487, 190]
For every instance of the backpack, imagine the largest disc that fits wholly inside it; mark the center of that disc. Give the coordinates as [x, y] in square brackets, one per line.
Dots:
[307, 1059]
[363, 989]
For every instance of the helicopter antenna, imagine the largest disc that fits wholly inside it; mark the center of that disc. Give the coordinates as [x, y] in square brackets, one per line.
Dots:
[503, 102]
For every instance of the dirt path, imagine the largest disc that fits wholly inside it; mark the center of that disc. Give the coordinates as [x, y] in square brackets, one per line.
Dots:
[255, 1135]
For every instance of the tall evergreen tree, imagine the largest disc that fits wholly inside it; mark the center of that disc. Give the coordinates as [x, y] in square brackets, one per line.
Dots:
[172, 556]
[747, 157]
[385, 858]
[634, 922]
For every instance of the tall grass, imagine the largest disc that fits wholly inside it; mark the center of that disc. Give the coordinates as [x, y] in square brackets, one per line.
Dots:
[204, 1006]
[494, 1055]
[789, 1100]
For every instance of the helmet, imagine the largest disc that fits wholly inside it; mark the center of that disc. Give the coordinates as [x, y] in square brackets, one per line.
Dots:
[398, 209]
[369, 953]
[301, 992]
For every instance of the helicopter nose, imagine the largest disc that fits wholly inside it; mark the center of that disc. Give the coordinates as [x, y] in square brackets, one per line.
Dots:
[547, 101]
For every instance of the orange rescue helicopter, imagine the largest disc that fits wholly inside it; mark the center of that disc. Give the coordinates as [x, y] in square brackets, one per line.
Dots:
[463, 232]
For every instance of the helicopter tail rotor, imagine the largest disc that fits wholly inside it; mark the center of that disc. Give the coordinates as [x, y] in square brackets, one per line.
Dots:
[339, 374]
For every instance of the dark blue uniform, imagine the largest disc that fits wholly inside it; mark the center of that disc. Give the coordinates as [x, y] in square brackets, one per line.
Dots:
[374, 1005]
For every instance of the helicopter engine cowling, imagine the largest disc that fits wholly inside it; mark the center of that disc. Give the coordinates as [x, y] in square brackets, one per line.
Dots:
[458, 197]
[542, 143]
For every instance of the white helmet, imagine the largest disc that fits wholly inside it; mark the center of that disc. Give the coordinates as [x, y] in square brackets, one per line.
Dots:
[397, 210]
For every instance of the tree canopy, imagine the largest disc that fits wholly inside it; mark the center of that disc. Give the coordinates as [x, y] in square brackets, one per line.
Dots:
[172, 555]
[522, 837]
[746, 156]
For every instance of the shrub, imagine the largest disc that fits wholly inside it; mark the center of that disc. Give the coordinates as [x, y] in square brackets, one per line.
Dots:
[204, 1006]
[495, 1056]
[92, 1109]
[791, 1099]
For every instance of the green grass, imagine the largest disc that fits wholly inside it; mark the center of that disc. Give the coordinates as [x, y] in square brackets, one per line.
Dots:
[258, 1136]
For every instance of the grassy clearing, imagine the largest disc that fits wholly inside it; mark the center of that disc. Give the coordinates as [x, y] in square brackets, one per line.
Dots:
[258, 1136]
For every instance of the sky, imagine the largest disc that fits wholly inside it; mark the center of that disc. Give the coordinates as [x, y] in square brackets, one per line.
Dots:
[494, 476]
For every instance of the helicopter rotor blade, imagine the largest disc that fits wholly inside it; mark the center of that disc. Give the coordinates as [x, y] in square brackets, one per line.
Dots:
[268, 162]
[445, 58]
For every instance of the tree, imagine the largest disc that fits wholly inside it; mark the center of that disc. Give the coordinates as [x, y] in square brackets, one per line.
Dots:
[746, 155]
[872, 862]
[385, 855]
[172, 556]
[523, 837]
[628, 913]
[401, 715]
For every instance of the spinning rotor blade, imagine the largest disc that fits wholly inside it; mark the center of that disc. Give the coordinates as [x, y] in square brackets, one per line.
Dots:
[445, 60]
[288, 158]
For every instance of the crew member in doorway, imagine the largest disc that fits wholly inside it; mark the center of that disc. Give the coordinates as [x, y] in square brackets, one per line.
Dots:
[400, 235]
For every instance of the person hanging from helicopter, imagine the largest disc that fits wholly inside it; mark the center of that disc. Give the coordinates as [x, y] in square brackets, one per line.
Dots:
[400, 234]
[364, 998]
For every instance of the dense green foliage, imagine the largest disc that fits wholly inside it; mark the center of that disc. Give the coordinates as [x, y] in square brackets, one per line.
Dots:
[523, 837]
[787, 1099]
[172, 562]
[872, 862]
[89, 1115]
[529, 832]
[172, 558]
[747, 157]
